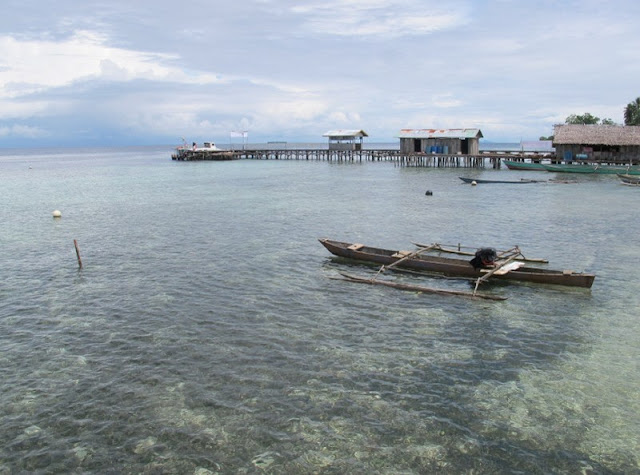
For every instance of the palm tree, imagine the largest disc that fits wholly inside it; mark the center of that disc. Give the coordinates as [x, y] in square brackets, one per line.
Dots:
[632, 113]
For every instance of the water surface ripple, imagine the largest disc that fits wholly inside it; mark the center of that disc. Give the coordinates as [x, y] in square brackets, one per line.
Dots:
[206, 333]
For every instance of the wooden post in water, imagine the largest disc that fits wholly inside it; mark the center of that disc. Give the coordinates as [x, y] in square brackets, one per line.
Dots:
[75, 243]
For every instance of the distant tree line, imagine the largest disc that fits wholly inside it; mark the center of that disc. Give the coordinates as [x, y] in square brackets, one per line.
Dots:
[631, 117]
[587, 119]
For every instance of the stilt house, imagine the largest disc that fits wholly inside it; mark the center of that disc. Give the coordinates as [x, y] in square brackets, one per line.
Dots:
[345, 139]
[440, 141]
[597, 142]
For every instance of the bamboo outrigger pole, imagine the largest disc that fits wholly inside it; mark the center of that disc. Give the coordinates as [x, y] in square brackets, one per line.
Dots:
[494, 270]
[450, 248]
[408, 256]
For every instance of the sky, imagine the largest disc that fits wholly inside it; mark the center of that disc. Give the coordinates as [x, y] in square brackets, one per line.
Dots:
[152, 72]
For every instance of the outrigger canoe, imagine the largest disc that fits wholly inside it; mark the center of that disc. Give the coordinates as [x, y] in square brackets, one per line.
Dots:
[592, 169]
[455, 267]
[513, 182]
[629, 179]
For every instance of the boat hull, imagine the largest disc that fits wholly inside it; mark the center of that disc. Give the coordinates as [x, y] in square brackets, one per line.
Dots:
[456, 267]
[629, 179]
[187, 155]
[590, 169]
[478, 181]
[514, 165]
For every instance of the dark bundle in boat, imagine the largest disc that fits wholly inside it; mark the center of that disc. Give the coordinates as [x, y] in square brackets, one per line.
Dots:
[485, 257]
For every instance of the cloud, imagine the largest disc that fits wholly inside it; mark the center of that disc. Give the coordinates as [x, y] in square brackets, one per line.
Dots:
[202, 118]
[446, 100]
[379, 18]
[23, 131]
[17, 110]
[143, 71]
[33, 66]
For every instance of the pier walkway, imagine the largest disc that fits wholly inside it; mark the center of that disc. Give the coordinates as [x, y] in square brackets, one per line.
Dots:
[484, 159]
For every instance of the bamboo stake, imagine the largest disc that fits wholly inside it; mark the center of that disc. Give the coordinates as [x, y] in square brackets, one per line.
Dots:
[75, 243]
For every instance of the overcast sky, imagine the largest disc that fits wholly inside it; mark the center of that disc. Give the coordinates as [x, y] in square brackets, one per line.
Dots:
[143, 72]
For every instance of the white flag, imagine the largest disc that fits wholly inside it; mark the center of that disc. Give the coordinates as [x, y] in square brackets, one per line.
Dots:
[238, 134]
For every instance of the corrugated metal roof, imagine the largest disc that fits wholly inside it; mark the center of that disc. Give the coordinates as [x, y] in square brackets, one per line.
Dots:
[570, 134]
[440, 133]
[345, 133]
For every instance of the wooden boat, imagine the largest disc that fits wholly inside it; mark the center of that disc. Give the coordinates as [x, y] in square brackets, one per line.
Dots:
[478, 180]
[629, 179]
[528, 166]
[455, 267]
[208, 151]
[592, 169]
[566, 168]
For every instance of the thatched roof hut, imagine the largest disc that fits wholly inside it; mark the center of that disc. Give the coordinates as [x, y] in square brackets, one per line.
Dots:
[597, 142]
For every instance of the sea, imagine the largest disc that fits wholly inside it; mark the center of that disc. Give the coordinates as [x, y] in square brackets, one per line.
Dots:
[182, 318]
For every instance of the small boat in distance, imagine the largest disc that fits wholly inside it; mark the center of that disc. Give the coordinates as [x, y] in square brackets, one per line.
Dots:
[593, 169]
[478, 181]
[632, 180]
[454, 267]
[208, 151]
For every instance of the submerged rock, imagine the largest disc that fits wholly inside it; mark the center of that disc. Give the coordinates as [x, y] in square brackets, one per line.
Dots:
[145, 445]
[265, 460]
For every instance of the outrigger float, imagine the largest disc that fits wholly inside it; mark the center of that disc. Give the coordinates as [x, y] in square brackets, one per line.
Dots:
[509, 265]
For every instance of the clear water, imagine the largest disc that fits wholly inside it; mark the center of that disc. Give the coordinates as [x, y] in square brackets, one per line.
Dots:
[206, 333]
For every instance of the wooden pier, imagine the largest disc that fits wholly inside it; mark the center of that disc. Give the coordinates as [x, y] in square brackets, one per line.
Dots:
[484, 159]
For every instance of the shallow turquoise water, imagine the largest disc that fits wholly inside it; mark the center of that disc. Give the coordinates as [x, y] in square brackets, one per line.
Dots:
[205, 333]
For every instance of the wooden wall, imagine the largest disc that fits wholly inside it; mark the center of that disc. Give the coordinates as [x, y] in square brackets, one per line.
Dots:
[605, 153]
[453, 146]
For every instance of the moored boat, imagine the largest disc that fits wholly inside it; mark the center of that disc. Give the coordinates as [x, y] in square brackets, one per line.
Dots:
[592, 169]
[455, 267]
[208, 151]
[626, 179]
[478, 180]
[528, 166]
